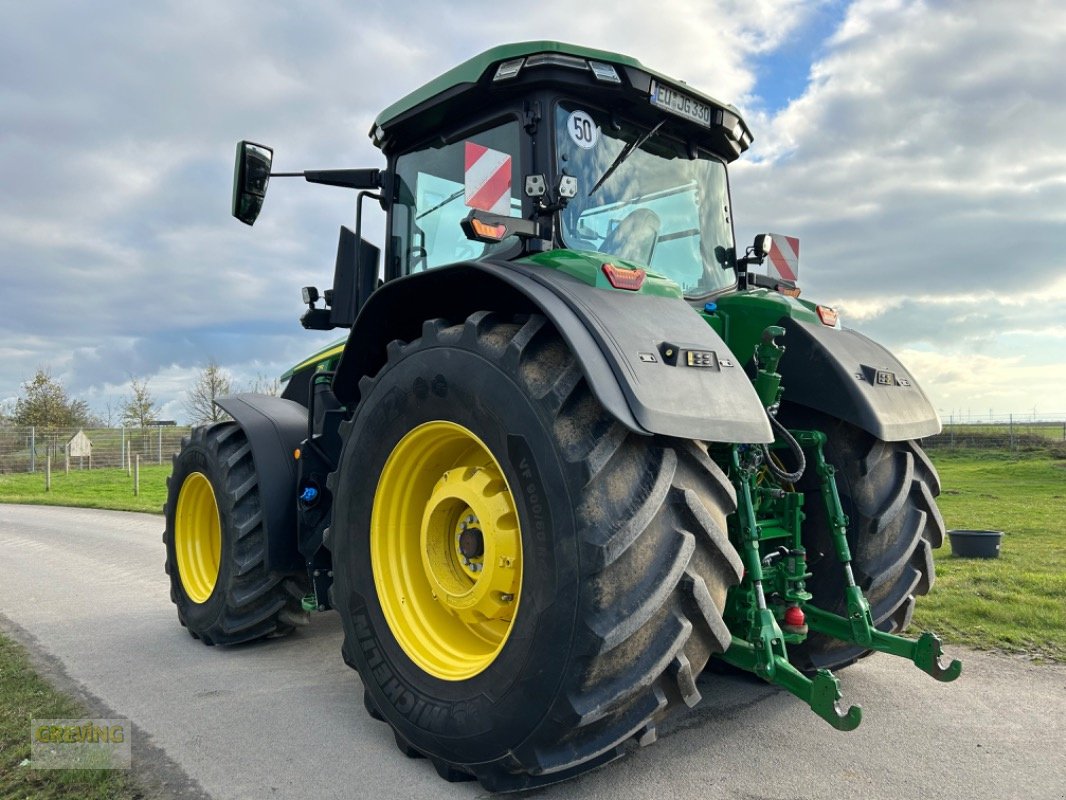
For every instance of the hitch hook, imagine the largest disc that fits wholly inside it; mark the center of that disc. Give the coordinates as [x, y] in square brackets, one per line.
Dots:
[927, 653]
[824, 694]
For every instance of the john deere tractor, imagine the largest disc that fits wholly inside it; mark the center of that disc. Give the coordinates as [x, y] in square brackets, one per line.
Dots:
[572, 445]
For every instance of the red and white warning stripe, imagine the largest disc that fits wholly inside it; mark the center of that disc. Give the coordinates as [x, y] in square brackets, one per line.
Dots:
[487, 179]
[784, 256]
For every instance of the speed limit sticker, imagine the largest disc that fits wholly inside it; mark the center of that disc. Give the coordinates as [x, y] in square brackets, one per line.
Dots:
[583, 131]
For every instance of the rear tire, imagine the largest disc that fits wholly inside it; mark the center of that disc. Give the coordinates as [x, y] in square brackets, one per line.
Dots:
[888, 491]
[216, 544]
[624, 559]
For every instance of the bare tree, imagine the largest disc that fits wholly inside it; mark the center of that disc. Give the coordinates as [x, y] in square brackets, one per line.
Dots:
[199, 403]
[139, 409]
[264, 385]
[111, 414]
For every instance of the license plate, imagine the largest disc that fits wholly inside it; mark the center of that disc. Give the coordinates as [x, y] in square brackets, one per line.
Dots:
[670, 99]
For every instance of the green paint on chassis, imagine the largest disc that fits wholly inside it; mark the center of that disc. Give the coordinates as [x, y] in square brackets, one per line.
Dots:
[570, 373]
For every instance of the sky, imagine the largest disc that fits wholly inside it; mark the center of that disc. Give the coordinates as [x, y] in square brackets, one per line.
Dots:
[917, 149]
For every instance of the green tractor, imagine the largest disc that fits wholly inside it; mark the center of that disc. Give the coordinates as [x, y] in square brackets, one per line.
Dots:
[561, 458]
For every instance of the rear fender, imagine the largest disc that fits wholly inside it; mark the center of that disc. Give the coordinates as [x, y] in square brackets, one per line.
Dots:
[275, 427]
[844, 374]
[632, 347]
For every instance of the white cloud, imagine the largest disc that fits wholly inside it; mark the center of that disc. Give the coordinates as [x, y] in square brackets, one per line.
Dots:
[923, 162]
[924, 174]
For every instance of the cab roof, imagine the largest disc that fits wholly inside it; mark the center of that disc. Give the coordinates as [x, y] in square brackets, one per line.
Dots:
[479, 70]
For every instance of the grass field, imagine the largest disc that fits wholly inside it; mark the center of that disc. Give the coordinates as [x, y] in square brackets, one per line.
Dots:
[1018, 601]
[96, 488]
[25, 696]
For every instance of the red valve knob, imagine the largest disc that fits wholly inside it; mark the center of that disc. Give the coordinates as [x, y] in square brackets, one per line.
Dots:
[794, 617]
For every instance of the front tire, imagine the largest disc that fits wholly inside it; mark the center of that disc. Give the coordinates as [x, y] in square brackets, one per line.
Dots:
[619, 558]
[216, 544]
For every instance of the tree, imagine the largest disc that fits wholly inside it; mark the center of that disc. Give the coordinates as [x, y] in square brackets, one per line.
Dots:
[264, 385]
[111, 414]
[45, 404]
[199, 403]
[139, 409]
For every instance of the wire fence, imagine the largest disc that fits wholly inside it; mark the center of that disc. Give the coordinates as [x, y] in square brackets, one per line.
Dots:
[29, 449]
[1010, 432]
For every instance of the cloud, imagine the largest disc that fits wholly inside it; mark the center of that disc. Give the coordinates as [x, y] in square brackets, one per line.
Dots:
[923, 171]
[922, 160]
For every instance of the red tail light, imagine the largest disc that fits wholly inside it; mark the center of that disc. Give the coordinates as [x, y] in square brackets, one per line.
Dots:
[622, 278]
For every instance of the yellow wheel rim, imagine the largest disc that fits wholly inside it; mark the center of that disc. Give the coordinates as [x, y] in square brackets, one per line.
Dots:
[446, 550]
[197, 537]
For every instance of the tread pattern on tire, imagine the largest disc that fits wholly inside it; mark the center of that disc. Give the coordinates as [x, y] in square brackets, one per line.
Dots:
[888, 492]
[654, 556]
[257, 603]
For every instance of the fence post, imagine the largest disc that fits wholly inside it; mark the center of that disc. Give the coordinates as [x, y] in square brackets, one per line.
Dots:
[122, 448]
[137, 475]
[48, 472]
[33, 448]
[160, 429]
[66, 458]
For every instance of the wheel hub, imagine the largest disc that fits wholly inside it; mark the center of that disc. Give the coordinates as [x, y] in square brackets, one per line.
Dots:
[471, 543]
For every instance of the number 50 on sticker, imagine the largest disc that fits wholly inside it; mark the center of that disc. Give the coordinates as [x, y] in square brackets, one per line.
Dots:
[583, 131]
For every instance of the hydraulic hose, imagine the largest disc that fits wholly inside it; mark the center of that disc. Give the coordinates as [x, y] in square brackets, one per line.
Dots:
[793, 445]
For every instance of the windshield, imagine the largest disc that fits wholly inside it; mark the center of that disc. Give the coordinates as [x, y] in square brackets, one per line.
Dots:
[654, 204]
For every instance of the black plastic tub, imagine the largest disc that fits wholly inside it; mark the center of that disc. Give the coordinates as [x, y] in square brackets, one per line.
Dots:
[975, 544]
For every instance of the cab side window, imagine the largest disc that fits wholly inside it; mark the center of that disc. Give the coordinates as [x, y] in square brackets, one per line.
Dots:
[438, 187]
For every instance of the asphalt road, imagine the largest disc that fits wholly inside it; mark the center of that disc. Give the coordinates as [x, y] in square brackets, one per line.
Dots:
[284, 718]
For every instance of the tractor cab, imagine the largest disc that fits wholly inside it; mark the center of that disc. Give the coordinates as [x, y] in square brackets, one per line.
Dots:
[594, 151]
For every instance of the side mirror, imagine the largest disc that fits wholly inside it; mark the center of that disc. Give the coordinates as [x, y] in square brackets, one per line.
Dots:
[251, 172]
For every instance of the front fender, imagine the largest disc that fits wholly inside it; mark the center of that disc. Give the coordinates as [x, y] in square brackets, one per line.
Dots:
[275, 428]
[633, 348]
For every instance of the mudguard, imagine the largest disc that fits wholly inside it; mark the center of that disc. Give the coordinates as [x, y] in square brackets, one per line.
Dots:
[844, 374]
[275, 428]
[633, 348]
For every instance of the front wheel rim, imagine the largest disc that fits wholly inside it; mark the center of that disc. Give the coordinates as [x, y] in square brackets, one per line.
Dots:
[197, 537]
[446, 550]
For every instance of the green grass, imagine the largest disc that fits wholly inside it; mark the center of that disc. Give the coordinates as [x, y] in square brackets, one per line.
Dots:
[1017, 602]
[96, 488]
[25, 696]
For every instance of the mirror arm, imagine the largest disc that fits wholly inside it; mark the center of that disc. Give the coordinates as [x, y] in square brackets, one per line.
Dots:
[345, 178]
